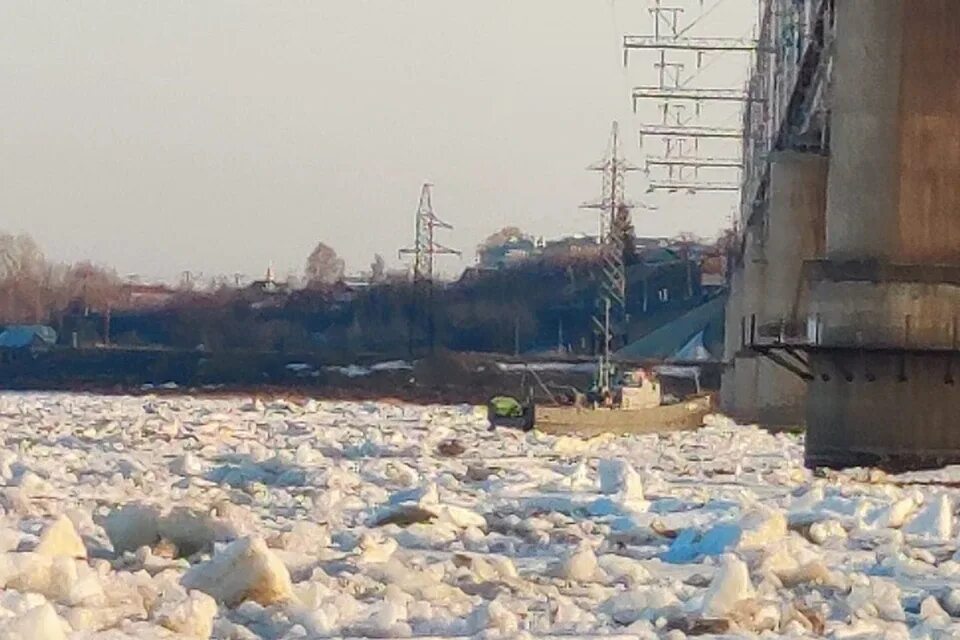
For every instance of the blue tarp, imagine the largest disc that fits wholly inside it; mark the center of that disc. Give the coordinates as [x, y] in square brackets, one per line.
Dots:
[23, 336]
[693, 351]
[681, 335]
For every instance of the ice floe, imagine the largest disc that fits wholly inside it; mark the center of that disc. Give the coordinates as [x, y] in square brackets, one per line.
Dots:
[149, 518]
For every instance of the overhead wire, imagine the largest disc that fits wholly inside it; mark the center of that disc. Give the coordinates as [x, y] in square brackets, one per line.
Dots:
[626, 85]
[712, 61]
[701, 17]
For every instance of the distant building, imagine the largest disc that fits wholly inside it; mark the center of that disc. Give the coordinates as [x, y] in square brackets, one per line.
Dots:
[514, 250]
[577, 245]
[713, 280]
[358, 281]
[269, 285]
[146, 296]
[659, 255]
[646, 244]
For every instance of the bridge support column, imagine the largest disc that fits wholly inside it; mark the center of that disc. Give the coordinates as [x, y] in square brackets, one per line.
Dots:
[769, 296]
[740, 388]
[885, 301]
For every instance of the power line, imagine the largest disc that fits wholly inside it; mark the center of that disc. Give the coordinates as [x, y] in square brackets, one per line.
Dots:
[680, 132]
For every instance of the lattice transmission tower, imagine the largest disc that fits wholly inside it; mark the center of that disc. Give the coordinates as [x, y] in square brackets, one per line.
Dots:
[425, 251]
[676, 160]
[425, 247]
[611, 316]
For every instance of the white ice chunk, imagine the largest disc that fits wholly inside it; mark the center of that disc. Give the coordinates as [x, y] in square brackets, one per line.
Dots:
[61, 539]
[934, 521]
[640, 604]
[191, 616]
[877, 599]
[373, 550]
[494, 615]
[624, 569]
[582, 566]
[757, 529]
[895, 515]
[730, 586]
[187, 465]
[460, 517]
[54, 577]
[931, 611]
[32, 484]
[244, 570]
[306, 537]
[761, 527]
[821, 532]
[619, 477]
[39, 623]
[578, 480]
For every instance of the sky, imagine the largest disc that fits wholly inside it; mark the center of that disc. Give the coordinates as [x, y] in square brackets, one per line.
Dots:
[219, 136]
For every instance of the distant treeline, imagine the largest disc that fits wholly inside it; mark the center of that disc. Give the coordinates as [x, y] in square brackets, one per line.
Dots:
[535, 306]
[538, 304]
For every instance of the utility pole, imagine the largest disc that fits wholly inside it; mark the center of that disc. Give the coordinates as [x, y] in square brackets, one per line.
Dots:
[106, 326]
[516, 335]
[425, 251]
[610, 318]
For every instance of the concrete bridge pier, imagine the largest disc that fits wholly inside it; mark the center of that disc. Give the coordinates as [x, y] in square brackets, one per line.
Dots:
[769, 295]
[885, 298]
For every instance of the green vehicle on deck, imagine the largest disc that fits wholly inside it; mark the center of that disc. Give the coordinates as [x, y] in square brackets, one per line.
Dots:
[507, 411]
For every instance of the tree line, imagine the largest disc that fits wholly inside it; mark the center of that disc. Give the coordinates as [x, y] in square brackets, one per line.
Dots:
[540, 303]
[35, 290]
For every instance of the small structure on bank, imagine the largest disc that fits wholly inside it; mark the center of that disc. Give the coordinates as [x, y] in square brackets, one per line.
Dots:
[20, 339]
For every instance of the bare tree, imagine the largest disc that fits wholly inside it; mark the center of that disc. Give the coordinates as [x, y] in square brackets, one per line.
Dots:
[20, 257]
[33, 290]
[220, 283]
[624, 224]
[188, 280]
[27, 283]
[324, 267]
[95, 287]
[378, 270]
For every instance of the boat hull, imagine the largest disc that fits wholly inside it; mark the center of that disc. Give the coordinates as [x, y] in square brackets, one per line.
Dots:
[684, 416]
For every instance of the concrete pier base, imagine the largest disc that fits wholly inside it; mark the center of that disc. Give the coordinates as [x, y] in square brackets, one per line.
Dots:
[897, 411]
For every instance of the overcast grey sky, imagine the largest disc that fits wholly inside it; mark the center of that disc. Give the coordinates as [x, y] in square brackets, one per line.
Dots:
[218, 135]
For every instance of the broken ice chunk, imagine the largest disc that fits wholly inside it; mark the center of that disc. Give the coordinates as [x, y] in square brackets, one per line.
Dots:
[61, 539]
[731, 586]
[244, 570]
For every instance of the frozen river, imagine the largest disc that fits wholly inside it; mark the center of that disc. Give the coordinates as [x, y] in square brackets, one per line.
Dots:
[178, 517]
